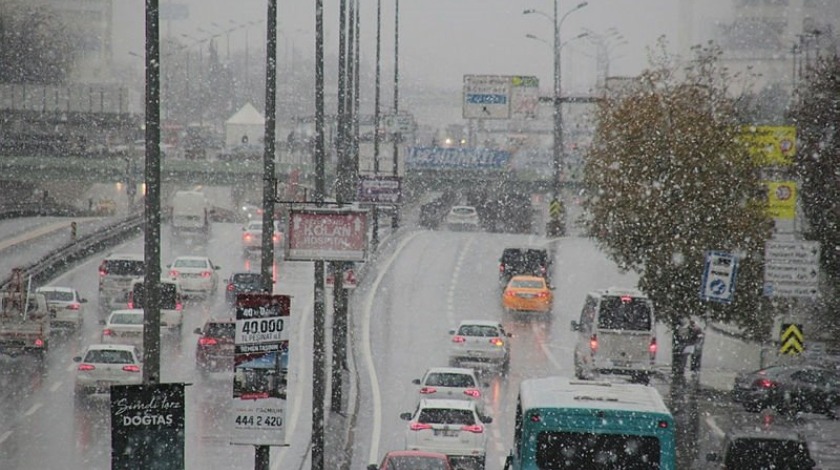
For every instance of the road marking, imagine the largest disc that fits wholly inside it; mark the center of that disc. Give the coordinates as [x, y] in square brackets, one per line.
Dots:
[545, 349]
[31, 411]
[367, 353]
[710, 421]
[55, 386]
[71, 366]
[456, 273]
[5, 436]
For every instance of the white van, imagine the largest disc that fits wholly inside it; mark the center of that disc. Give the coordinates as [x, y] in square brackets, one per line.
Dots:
[616, 335]
[117, 274]
[190, 214]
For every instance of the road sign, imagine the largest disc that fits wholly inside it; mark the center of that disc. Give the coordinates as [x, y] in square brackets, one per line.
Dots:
[555, 209]
[524, 97]
[261, 369]
[487, 97]
[792, 339]
[147, 426]
[719, 274]
[443, 158]
[791, 268]
[398, 124]
[770, 145]
[348, 281]
[378, 189]
[326, 235]
[781, 199]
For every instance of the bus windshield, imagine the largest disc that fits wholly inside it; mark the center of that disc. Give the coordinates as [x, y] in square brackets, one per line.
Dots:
[574, 450]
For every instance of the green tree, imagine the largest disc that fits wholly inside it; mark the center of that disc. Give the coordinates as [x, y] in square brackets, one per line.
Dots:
[36, 46]
[818, 166]
[669, 181]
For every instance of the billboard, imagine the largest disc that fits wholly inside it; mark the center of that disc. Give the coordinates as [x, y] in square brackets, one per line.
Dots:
[326, 234]
[260, 369]
[447, 158]
[500, 97]
[147, 426]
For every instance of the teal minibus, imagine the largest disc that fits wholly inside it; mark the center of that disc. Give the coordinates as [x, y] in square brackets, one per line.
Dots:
[566, 424]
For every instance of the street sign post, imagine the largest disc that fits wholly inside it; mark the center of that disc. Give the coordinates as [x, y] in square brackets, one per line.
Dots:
[791, 268]
[261, 368]
[326, 235]
[719, 275]
[379, 189]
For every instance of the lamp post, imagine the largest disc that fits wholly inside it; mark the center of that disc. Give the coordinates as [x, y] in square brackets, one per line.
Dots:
[555, 225]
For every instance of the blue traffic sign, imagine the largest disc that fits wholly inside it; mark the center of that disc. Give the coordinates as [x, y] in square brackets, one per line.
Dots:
[486, 98]
[719, 273]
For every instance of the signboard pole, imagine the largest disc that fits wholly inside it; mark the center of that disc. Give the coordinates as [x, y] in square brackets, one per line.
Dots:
[339, 326]
[395, 220]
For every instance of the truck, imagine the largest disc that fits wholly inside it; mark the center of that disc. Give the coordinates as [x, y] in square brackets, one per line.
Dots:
[190, 214]
[24, 318]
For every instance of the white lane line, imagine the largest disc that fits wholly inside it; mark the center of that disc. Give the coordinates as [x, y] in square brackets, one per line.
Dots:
[456, 272]
[31, 411]
[71, 366]
[545, 349]
[373, 454]
[55, 386]
[5, 436]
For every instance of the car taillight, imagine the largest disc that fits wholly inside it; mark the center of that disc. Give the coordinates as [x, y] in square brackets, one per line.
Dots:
[246, 236]
[502, 268]
[39, 343]
[652, 347]
[497, 342]
[207, 341]
[419, 426]
[542, 295]
[205, 274]
[765, 383]
[428, 390]
[130, 304]
[542, 269]
[131, 368]
[475, 428]
[459, 339]
[473, 392]
[230, 287]
[74, 306]
[593, 343]
[86, 367]
[509, 293]
[107, 332]
[173, 273]
[179, 306]
[103, 269]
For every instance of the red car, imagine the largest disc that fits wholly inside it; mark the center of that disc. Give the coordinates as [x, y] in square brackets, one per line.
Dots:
[413, 460]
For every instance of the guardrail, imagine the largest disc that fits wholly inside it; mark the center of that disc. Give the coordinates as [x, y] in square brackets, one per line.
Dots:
[84, 247]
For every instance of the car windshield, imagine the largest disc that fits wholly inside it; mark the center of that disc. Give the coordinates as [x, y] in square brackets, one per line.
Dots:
[463, 210]
[254, 227]
[220, 330]
[126, 319]
[757, 454]
[478, 330]
[118, 267]
[446, 416]
[624, 313]
[416, 463]
[247, 279]
[109, 356]
[58, 296]
[577, 450]
[447, 379]
[190, 263]
[527, 284]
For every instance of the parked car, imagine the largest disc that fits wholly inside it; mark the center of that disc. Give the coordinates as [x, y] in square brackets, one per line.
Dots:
[214, 348]
[526, 261]
[451, 427]
[412, 460]
[67, 307]
[479, 344]
[789, 388]
[242, 283]
[528, 293]
[103, 365]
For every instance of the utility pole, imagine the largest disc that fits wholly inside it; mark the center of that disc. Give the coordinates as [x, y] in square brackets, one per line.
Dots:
[318, 346]
[151, 249]
[395, 221]
[377, 120]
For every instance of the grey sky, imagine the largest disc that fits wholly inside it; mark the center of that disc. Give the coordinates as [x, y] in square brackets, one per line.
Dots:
[441, 40]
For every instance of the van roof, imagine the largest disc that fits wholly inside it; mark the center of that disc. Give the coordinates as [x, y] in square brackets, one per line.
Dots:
[562, 392]
[125, 256]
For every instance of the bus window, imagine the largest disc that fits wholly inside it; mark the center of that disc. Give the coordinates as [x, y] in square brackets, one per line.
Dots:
[572, 450]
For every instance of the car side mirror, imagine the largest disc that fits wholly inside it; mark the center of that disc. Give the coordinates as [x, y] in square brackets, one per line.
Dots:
[103, 322]
[575, 326]
[486, 419]
[712, 457]
[405, 416]
[416, 381]
[451, 332]
[198, 331]
[84, 301]
[77, 359]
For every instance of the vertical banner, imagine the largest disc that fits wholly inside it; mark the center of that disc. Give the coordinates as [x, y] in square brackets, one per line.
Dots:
[147, 427]
[260, 370]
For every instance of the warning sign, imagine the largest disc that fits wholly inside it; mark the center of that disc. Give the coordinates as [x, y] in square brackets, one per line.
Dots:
[792, 339]
[781, 199]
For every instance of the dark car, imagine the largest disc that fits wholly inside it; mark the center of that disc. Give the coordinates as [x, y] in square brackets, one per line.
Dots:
[524, 261]
[748, 445]
[214, 350]
[242, 283]
[413, 460]
[789, 388]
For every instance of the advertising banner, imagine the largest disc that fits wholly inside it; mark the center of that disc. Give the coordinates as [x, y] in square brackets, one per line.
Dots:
[326, 234]
[147, 426]
[462, 158]
[261, 368]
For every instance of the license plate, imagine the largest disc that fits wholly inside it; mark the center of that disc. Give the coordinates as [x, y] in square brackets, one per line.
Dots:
[446, 432]
[526, 296]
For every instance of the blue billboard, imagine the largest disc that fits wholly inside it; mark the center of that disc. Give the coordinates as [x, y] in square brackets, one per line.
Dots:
[443, 158]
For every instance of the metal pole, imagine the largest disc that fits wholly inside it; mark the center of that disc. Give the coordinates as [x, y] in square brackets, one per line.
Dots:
[557, 149]
[351, 111]
[262, 456]
[395, 220]
[318, 376]
[376, 119]
[151, 252]
[356, 101]
[339, 329]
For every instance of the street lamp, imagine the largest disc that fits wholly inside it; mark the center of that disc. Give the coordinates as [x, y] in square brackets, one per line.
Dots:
[555, 227]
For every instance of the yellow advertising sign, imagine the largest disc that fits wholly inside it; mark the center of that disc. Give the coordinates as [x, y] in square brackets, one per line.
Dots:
[781, 199]
[770, 145]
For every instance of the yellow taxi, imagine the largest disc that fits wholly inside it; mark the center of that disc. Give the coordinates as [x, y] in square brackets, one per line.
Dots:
[527, 293]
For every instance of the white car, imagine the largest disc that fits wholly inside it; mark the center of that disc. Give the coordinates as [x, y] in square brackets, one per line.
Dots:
[124, 327]
[66, 305]
[452, 383]
[452, 427]
[479, 344]
[196, 274]
[252, 236]
[171, 302]
[103, 365]
[462, 218]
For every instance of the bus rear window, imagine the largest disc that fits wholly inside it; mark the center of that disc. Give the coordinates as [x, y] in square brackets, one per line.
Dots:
[624, 313]
[573, 451]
